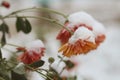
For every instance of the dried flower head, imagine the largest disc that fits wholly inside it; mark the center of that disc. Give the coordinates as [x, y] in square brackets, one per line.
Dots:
[32, 52]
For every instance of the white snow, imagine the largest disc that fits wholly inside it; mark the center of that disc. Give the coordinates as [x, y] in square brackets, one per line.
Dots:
[81, 18]
[98, 29]
[82, 33]
[84, 18]
[19, 39]
[35, 45]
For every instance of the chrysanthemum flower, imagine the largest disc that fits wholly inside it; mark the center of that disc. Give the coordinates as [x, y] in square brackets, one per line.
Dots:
[32, 52]
[74, 21]
[82, 41]
[81, 19]
[87, 34]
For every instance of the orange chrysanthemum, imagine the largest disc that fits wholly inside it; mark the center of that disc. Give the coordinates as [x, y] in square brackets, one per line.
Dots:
[79, 47]
[87, 38]
[81, 42]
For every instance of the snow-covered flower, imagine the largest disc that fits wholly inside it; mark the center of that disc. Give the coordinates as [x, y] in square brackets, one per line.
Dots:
[81, 19]
[87, 34]
[32, 52]
[82, 41]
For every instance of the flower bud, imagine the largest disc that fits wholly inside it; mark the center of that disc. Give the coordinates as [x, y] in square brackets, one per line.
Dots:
[5, 4]
[51, 60]
[69, 64]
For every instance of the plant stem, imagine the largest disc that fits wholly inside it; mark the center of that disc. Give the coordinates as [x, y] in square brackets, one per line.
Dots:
[61, 59]
[62, 70]
[53, 11]
[44, 18]
[39, 72]
[13, 45]
[43, 70]
[35, 8]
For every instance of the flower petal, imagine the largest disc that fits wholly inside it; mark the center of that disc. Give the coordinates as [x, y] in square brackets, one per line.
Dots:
[79, 47]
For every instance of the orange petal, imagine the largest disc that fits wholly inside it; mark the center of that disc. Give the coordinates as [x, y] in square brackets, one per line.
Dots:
[62, 48]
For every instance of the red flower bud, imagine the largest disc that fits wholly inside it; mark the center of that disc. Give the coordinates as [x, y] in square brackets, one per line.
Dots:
[5, 4]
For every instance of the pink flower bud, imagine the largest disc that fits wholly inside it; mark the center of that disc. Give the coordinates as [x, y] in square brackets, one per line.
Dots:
[5, 4]
[32, 52]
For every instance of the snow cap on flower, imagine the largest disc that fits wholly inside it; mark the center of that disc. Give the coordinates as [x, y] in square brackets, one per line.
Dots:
[34, 45]
[33, 52]
[88, 21]
[83, 34]
[98, 28]
[81, 18]
[75, 20]
[81, 42]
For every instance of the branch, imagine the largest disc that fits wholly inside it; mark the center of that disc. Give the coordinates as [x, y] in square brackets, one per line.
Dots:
[39, 72]
[35, 8]
[43, 18]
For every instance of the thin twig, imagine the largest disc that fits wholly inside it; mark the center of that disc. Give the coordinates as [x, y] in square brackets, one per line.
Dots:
[39, 72]
[13, 45]
[44, 18]
[35, 8]
[62, 70]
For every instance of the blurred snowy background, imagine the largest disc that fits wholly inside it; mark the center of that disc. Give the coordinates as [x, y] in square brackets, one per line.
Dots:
[101, 64]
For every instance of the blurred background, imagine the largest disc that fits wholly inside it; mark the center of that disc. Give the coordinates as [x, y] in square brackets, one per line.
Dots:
[101, 64]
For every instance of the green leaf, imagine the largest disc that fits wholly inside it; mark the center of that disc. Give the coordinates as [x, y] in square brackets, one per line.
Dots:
[3, 40]
[69, 64]
[4, 28]
[51, 60]
[20, 24]
[27, 27]
[37, 64]
[0, 54]
[16, 76]
[2, 78]
[23, 25]
[60, 57]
